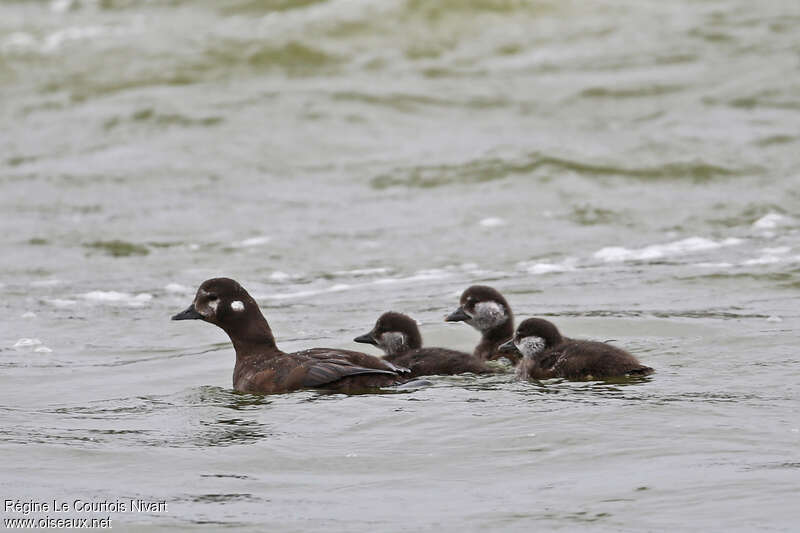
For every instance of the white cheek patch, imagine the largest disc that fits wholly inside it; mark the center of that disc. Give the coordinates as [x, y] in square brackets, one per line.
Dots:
[488, 315]
[393, 342]
[213, 306]
[530, 346]
[237, 306]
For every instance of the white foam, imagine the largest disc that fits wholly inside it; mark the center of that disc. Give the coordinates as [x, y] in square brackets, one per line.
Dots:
[27, 343]
[302, 294]
[492, 222]
[61, 6]
[115, 297]
[177, 288]
[29, 314]
[42, 349]
[58, 302]
[656, 251]
[532, 267]
[770, 256]
[46, 283]
[770, 221]
[763, 260]
[774, 318]
[56, 39]
[714, 265]
[252, 241]
[279, 276]
[106, 296]
[17, 42]
[780, 250]
[362, 271]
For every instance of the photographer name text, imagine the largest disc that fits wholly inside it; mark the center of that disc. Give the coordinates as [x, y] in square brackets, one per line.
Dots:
[27, 507]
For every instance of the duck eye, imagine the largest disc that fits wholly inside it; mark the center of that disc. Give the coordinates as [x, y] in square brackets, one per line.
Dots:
[213, 297]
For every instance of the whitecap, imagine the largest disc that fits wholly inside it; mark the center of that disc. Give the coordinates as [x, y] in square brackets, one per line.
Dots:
[252, 241]
[534, 267]
[18, 41]
[763, 260]
[58, 302]
[177, 288]
[774, 318]
[106, 296]
[362, 271]
[311, 292]
[43, 349]
[54, 41]
[61, 6]
[29, 314]
[770, 221]
[780, 250]
[279, 276]
[547, 268]
[46, 283]
[27, 343]
[714, 265]
[114, 297]
[419, 275]
[492, 222]
[656, 251]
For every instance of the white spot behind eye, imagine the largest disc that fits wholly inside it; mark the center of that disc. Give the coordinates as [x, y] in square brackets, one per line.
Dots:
[531, 346]
[237, 306]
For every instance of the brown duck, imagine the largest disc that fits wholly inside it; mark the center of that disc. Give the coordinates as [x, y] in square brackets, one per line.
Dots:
[263, 368]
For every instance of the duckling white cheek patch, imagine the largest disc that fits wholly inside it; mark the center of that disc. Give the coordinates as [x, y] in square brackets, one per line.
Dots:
[237, 306]
[531, 346]
[488, 315]
[393, 342]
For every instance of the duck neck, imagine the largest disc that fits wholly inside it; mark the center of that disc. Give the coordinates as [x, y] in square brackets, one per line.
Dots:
[493, 338]
[252, 336]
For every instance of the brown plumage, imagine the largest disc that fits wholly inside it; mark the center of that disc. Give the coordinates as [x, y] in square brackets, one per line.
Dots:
[398, 336]
[263, 368]
[546, 354]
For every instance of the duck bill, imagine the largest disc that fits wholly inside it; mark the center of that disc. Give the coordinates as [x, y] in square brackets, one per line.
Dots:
[508, 348]
[366, 338]
[188, 314]
[457, 316]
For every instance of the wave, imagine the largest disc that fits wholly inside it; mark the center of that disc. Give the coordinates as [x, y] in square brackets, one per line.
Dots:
[489, 169]
[658, 251]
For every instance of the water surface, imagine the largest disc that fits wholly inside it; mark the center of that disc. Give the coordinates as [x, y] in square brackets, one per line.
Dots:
[629, 170]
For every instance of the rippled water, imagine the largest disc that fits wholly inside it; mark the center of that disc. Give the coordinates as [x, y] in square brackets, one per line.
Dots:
[629, 169]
